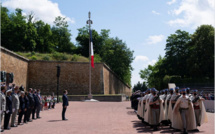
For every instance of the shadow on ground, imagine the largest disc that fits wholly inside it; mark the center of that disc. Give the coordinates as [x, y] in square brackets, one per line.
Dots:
[54, 120]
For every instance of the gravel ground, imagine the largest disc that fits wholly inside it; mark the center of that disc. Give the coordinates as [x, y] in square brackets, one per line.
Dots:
[95, 118]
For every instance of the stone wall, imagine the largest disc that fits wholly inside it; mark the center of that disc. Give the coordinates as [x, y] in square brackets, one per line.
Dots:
[113, 84]
[18, 65]
[74, 77]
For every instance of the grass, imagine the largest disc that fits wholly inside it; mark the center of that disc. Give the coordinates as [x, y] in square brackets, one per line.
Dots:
[56, 56]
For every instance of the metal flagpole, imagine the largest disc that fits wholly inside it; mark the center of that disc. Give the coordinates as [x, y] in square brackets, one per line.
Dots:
[89, 22]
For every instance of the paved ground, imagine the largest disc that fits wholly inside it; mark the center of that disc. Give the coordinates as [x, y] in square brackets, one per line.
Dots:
[94, 118]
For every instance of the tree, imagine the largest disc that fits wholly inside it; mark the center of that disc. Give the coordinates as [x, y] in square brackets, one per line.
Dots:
[177, 51]
[61, 36]
[201, 60]
[140, 86]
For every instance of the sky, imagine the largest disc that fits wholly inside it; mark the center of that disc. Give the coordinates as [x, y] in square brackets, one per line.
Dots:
[143, 25]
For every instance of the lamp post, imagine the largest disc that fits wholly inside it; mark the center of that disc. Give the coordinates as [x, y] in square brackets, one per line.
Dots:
[89, 22]
[58, 75]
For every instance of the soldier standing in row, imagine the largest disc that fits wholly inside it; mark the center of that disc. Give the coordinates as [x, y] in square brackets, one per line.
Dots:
[15, 106]
[3, 106]
[184, 116]
[199, 109]
[8, 109]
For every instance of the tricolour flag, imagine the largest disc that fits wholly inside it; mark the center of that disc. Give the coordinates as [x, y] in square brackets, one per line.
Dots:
[91, 45]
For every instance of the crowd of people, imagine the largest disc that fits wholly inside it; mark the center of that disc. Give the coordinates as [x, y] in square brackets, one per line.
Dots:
[173, 107]
[21, 105]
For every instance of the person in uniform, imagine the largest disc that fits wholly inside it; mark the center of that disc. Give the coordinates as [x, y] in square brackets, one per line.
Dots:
[27, 107]
[156, 109]
[40, 102]
[139, 108]
[3, 106]
[165, 107]
[8, 109]
[188, 92]
[65, 104]
[173, 100]
[31, 104]
[199, 109]
[36, 104]
[22, 107]
[146, 111]
[184, 116]
[15, 106]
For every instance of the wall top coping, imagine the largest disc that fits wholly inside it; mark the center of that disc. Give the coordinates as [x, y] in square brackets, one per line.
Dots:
[13, 54]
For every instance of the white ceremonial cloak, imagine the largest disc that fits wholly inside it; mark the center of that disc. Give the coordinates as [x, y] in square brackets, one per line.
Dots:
[139, 106]
[177, 121]
[204, 117]
[166, 109]
[142, 107]
[147, 110]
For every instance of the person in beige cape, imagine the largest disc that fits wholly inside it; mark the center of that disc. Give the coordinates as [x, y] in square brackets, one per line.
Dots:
[199, 109]
[172, 102]
[156, 109]
[184, 116]
[139, 108]
[146, 108]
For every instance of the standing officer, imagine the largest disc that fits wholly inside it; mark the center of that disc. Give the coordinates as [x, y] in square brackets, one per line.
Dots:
[65, 104]
[31, 104]
[199, 109]
[8, 109]
[3, 105]
[40, 103]
[184, 116]
[27, 107]
[36, 104]
[22, 107]
[15, 106]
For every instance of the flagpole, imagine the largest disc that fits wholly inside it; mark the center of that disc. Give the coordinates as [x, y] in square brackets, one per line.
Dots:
[89, 22]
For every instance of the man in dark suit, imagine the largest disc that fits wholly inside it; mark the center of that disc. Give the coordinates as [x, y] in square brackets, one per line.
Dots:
[8, 109]
[36, 104]
[22, 107]
[65, 104]
[31, 104]
[27, 107]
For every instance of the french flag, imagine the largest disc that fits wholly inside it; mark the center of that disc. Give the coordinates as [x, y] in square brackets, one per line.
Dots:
[91, 45]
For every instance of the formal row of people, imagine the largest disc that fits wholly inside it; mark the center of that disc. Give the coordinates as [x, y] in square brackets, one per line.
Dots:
[176, 108]
[27, 105]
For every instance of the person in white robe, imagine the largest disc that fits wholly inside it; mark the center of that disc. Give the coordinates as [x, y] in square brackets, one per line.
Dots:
[184, 116]
[156, 109]
[199, 109]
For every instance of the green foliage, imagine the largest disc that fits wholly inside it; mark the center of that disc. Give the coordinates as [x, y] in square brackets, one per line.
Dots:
[33, 58]
[46, 57]
[140, 86]
[188, 59]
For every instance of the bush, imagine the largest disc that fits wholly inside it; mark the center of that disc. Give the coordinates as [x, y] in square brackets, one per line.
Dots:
[33, 58]
[32, 53]
[64, 56]
[56, 55]
[46, 57]
[75, 57]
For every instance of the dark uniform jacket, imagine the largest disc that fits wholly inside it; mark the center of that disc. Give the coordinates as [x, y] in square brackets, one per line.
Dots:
[22, 103]
[26, 102]
[36, 99]
[9, 104]
[31, 100]
[65, 100]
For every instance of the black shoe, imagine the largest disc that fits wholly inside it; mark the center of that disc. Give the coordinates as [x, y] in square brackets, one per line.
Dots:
[7, 128]
[26, 122]
[2, 130]
[38, 117]
[185, 131]
[155, 128]
[29, 120]
[14, 126]
[65, 119]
